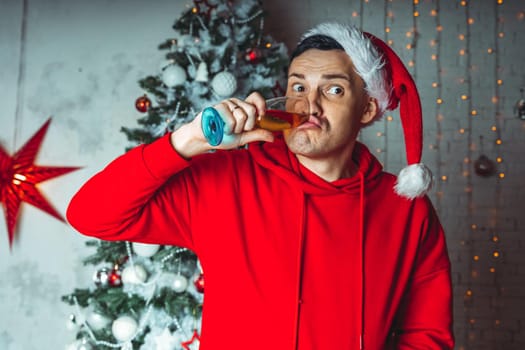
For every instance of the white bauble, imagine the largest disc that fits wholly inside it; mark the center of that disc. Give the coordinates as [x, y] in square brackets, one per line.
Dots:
[180, 283]
[124, 328]
[173, 75]
[224, 84]
[97, 321]
[144, 249]
[134, 274]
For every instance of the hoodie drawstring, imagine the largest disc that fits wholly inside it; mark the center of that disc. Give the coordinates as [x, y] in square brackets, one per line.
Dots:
[362, 257]
[300, 261]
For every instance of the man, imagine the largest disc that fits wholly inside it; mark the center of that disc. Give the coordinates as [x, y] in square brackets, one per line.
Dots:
[304, 241]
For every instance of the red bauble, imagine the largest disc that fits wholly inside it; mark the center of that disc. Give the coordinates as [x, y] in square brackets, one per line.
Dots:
[142, 104]
[252, 55]
[199, 283]
[115, 277]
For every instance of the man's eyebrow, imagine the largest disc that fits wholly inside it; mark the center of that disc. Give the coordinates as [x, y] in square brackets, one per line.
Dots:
[335, 76]
[324, 76]
[297, 75]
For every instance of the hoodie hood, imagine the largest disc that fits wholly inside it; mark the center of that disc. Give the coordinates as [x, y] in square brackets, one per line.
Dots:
[276, 157]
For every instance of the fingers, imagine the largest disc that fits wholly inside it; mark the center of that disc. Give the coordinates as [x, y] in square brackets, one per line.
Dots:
[238, 115]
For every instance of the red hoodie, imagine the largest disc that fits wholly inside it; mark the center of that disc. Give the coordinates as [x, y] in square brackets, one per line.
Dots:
[291, 261]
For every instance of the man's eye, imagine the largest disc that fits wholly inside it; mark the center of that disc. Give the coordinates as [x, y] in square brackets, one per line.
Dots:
[298, 88]
[334, 90]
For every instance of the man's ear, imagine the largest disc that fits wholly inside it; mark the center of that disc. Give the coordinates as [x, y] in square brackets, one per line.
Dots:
[370, 111]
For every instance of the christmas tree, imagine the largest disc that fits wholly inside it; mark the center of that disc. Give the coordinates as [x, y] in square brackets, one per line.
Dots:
[147, 296]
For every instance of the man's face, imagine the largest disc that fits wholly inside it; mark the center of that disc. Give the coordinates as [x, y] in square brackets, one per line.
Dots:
[339, 104]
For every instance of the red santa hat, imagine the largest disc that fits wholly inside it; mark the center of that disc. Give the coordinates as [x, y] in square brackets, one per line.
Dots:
[389, 82]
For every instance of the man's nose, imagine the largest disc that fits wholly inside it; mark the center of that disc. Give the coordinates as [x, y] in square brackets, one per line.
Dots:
[314, 103]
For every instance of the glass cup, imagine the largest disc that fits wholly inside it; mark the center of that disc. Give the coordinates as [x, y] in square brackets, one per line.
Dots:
[282, 113]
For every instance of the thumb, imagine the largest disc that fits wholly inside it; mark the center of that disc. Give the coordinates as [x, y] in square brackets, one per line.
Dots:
[256, 135]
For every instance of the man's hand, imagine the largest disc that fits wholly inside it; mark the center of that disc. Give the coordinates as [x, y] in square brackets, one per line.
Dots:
[239, 127]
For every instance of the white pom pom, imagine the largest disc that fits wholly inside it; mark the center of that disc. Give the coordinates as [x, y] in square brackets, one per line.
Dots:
[414, 181]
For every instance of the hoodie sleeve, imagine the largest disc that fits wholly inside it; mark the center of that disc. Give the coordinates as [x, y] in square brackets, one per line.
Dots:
[424, 320]
[130, 199]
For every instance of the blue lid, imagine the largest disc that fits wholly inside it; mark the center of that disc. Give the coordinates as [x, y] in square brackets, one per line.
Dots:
[212, 126]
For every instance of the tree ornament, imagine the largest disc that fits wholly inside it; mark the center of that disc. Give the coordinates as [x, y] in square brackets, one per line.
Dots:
[166, 341]
[84, 345]
[174, 75]
[484, 167]
[145, 250]
[224, 84]
[101, 277]
[209, 7]
[19, 177]
[193, 343]
[180, 283]
[199, 283]
[143, 103]
[115, 277]
[124, 328]
[134, 274]
[80, 344]
[277, 89]
[202, 73]
[519, 107]
[72, 324]
[252, 55]
[97, 321]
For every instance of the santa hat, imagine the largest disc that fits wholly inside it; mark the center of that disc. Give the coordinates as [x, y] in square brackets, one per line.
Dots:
[389, 82]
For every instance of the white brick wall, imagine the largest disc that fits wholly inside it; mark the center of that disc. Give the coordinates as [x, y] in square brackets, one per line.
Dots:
[493, 318]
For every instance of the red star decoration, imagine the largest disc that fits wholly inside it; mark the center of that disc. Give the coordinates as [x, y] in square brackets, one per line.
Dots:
[19, 177]
[194, 337]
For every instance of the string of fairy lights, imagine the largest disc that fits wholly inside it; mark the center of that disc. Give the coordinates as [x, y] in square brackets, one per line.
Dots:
[438, 86]
[477, 260]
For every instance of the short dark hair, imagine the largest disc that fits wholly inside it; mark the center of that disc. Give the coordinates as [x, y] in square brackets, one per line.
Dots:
[319, 42]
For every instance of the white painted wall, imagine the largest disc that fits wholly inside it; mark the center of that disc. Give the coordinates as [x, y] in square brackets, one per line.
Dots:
[81, 66]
